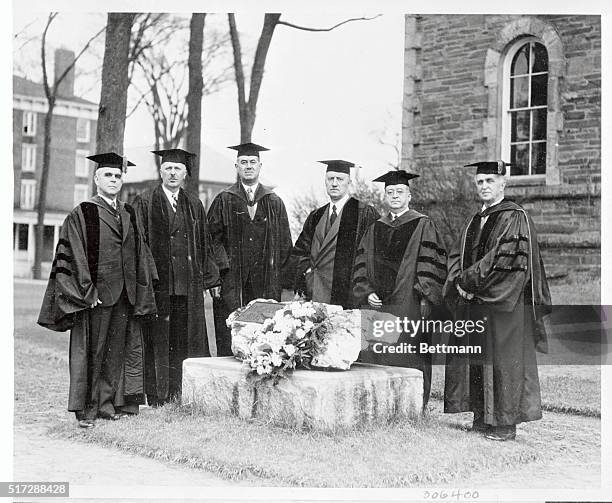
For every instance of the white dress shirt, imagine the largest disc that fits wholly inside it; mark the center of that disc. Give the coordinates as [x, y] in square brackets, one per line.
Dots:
[484, 207]
[113, 203]
[397, 215]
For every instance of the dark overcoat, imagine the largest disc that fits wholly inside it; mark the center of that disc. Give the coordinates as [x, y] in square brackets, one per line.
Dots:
[202, 273]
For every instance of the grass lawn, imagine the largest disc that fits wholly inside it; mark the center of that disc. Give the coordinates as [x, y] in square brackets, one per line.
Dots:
[437, 450]
[576, 288]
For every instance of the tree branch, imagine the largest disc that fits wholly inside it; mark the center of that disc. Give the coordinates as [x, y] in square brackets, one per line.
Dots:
[304, 28]
[43, 55]
[238, 69]
[269, 24]
[76, 58]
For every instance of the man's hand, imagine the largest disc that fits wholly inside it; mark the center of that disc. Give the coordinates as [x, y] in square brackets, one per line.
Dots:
[215, 292]
[374, 300]
[96, 303]
[463, 293]
[425, 308]
[299, 295]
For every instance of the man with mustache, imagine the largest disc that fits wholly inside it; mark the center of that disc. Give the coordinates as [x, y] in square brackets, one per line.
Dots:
[176, 230]
[496, 274]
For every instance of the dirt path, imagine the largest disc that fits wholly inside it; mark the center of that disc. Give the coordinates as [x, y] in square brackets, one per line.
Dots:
[39, 457]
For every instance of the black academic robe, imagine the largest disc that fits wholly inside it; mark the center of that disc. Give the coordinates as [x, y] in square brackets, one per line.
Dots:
[98, 257]
[501, 265]
[335, 257]
[202, 272]
[402, 261]
[415, 245]
[266, 239]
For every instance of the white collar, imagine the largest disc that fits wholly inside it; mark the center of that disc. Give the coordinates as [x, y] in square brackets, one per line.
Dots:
[252, 187]
[339, 204]
[484, 207]
[397, 215]
[110, 201]
[169, 194]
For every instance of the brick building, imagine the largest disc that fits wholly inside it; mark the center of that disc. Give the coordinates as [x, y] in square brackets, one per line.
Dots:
[526, 89]
[73, 139]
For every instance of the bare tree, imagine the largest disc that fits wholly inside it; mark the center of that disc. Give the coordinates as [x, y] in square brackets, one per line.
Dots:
[51, 90]
[113, 97]
[171, 90]
[194, 97]
[247, 108]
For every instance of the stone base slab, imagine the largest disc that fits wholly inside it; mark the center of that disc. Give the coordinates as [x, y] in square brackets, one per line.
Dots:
[320, 400]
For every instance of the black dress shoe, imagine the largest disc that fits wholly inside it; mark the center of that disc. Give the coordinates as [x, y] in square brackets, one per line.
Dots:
[501, 433]
[478, 424]
[86, 423]
[109, 417]
[480, 427]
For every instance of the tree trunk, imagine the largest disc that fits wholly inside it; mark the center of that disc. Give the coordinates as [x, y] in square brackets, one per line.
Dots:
[247, 109]
[194, 98]
[41, 206]
[113, 98]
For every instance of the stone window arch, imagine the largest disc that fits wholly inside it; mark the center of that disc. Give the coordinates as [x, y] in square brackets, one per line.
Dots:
[509, 40]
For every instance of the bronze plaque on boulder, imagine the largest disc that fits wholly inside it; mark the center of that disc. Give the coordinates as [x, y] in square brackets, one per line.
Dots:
[259, 312]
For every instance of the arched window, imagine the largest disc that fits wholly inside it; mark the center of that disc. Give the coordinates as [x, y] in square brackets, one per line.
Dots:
[525, 107]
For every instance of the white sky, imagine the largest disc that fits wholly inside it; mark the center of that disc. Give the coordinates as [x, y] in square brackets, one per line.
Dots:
[324, 95]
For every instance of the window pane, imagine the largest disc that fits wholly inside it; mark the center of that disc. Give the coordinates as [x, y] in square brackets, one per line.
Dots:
[520, 126]
[538, 158]
[82, 133]
[539, 90]
[23, 237]
[520, 62]
[540, 58]
[539, 124]
[519, 92]
[519, 157]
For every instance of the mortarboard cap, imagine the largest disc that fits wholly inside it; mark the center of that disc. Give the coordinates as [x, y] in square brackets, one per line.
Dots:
[111, 160]
[490, 167]
[338, 166]
[396, 177]
[176, 155]
[249, 149]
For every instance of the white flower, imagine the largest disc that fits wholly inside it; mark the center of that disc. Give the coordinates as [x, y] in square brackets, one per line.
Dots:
[300, 334]
[289, 349]
[260, 370]
[276, 359]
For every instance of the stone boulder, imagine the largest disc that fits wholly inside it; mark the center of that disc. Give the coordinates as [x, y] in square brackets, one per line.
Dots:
[311, 399]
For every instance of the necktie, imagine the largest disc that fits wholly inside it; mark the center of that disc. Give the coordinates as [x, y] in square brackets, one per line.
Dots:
[393, 217]
[174, 201]
[333, 216]
[114, 204]
[251, 203]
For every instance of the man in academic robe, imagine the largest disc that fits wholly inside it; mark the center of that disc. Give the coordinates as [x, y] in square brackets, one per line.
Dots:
[324, 252]
[496, 274]
[400, 268]
[176, 229]
[101, 283]
[250, 222]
